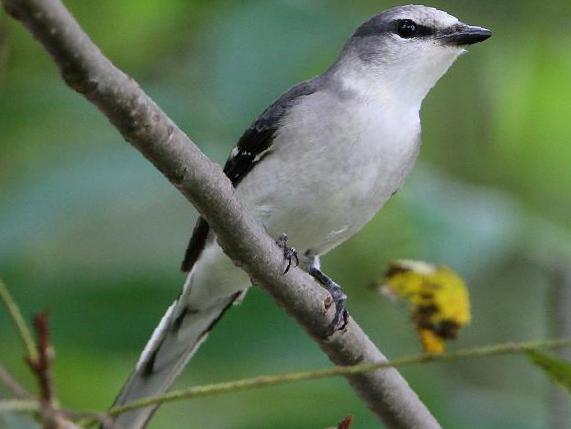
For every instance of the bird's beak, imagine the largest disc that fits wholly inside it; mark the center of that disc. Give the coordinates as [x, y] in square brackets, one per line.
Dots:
[462, 35]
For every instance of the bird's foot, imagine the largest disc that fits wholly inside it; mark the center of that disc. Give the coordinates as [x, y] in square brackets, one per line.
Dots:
[290, 254]
[338, 298]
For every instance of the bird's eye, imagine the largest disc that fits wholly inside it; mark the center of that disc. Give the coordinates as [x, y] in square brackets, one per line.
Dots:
[406, 28]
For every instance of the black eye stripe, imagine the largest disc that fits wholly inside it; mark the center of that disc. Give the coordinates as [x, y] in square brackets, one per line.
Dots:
[376, 26]
[424, 31]
[404, 28]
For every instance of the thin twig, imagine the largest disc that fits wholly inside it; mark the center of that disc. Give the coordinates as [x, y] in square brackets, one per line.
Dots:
[10, 381]
[41, 366]
[19, 322]
[65, 417]
[39, 361]
[19, 406]
[273, 380]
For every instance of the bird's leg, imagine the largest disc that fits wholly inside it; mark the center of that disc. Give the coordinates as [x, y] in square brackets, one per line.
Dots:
[341, 317]
[290, 254]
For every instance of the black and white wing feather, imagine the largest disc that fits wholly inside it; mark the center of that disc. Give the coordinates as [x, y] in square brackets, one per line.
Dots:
[252, 147]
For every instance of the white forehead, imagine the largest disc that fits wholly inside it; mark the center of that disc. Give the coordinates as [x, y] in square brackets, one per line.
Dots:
[424, 15]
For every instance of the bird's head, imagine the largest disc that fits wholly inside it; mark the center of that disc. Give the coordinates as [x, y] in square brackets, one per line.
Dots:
[407, 49]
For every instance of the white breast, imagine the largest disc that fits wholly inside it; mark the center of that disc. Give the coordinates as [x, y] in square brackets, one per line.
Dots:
[336, 162]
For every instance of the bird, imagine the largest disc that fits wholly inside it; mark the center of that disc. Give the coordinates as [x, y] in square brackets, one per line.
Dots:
[313, 168]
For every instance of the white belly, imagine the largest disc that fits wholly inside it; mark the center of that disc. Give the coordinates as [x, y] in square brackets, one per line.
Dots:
[328, 176]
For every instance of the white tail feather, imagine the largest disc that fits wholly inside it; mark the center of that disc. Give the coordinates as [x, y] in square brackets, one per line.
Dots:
[171, 346]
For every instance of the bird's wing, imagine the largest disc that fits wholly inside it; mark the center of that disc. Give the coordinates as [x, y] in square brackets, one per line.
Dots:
[255, 144]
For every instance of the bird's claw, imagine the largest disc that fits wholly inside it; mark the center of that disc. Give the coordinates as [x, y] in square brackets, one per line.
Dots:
[341, 317]
[290, 254]
[337, 297]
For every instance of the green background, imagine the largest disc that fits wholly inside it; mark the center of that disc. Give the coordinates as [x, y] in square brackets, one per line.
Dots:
[89, 229]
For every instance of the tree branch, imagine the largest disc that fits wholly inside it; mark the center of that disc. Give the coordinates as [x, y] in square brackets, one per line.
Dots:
[148, 129]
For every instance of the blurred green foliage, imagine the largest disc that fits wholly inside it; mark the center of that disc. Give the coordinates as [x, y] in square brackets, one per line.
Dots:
[91, 231]
[557, 369]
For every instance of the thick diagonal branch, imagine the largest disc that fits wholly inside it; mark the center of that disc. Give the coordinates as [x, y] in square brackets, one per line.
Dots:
[148, 129]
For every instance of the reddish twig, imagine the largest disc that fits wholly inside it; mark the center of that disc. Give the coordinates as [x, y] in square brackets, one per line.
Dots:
[345, 423]
[41, 366]
[52, 416]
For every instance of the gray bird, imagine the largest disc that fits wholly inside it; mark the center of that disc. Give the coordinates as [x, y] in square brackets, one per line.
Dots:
[317, 164]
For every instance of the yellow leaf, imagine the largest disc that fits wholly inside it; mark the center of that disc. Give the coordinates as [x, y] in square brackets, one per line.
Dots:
[438, 297]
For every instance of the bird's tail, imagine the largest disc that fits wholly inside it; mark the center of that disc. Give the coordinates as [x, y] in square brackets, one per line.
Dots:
[174, 341]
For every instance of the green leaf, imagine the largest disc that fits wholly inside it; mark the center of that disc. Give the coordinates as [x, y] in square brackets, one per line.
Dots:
[557, 369]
